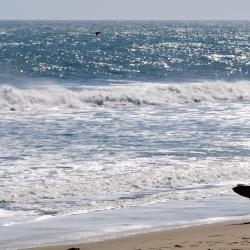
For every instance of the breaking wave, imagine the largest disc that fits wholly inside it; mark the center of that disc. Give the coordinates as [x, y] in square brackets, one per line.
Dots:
[12, 98]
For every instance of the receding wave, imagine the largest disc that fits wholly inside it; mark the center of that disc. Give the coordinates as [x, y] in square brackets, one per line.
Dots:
[12, 98]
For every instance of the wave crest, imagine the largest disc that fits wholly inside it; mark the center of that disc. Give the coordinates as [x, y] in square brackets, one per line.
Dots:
[146, 94]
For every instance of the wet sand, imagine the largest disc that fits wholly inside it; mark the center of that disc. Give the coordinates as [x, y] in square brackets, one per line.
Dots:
[233, 235]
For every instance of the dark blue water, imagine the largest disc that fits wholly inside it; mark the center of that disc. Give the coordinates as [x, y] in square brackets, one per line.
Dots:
[170, 51]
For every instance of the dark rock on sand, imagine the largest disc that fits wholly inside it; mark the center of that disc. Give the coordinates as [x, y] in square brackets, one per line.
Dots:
[242, 190]
[178, 246]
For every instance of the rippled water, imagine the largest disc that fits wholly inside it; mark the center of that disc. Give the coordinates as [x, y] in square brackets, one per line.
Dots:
[145, 51]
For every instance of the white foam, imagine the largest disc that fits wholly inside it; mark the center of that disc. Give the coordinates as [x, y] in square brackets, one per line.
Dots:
[6, 213]
[137, 94]
[103, 158]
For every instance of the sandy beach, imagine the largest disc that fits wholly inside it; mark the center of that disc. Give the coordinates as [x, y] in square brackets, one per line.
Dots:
[234, 235]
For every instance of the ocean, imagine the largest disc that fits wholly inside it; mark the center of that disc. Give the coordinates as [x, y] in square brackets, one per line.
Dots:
[147, 115]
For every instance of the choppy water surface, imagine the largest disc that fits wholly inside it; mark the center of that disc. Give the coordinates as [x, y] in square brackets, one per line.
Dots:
[145, 51]
[147, 112]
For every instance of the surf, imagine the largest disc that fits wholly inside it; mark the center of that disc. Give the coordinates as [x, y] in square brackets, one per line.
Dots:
[138, 94]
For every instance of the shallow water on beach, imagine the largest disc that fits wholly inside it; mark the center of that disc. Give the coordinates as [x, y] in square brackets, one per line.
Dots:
[109, 224]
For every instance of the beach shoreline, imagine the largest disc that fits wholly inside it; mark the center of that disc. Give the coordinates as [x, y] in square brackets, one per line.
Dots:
[228, 235]
[108, 226]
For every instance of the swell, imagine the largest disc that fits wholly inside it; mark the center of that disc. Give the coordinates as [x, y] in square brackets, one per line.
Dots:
[12, 98]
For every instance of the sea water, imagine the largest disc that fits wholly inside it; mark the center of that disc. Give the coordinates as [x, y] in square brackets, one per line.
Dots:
[144, 115]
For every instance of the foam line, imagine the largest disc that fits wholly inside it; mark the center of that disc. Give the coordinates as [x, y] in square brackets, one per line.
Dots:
[144, 94]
